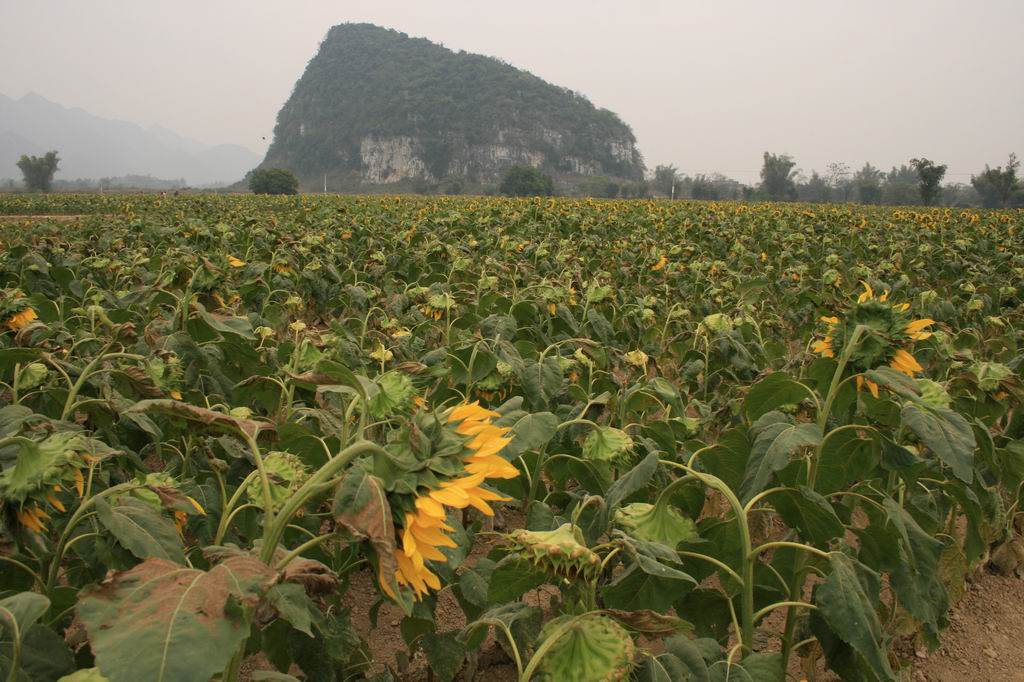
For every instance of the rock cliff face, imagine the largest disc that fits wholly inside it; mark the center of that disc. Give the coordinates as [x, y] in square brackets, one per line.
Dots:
[379, 107]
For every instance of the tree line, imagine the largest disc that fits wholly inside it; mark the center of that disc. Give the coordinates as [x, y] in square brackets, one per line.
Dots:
[918, 182]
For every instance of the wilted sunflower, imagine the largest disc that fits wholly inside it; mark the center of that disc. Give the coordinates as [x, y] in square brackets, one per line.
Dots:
[34, 487]
[15, 310]
[888, 340]
[425, 530]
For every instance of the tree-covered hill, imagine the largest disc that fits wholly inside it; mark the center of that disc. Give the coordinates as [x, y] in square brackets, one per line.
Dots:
[381, 106]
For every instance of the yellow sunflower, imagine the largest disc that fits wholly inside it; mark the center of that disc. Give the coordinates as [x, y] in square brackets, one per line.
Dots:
[889, 338]
[20, 319]
[33, 518]
[425, 531]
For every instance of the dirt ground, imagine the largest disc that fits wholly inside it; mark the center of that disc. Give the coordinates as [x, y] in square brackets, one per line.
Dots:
[983, 642]
[29, 218]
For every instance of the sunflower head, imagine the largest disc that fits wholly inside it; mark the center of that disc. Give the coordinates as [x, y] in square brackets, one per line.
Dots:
[887, 338]
[42, 481]
[287, 473]
[15, 310]
[440, 462]
[558, 552]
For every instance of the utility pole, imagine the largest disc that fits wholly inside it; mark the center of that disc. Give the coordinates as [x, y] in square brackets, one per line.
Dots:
[325, 183]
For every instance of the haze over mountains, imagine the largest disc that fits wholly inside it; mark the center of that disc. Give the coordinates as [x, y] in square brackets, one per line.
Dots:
[95, 147]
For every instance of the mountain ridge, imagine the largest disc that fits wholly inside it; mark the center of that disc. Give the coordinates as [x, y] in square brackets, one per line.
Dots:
[377, 107]
[92, 146]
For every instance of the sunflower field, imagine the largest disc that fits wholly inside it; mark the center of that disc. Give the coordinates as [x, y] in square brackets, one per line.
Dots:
[622, 440]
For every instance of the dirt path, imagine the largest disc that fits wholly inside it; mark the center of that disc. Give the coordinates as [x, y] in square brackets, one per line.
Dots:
[40, 218]
[983, 642]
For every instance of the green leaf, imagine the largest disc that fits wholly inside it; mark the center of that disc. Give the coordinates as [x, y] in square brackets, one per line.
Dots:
[541, 381]
[914, 571]
[9, 357]
[85, 675]
[846, 602]
[445, 654]
[20, 611]
[1010, 461]
[947, 434]
[394, 393]
[753, 668]
[227, 324]
[810, 514]
[292, 605]
[606, 443]
[140, 529]
[847, 455]
[657, 522]
[897, 382]
[687, 653]
[18, 615]
[168, 623]
[727, 459]
[772, 392]
[508, 614]
[272, 676]
[44, 655]
[531, 432]
[512, 577]
[332, 373]
[32, 375]
[631, 481]
[646, 584]
[773, 447]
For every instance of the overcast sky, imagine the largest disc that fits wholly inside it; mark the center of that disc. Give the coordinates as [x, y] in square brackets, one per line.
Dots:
[706, 84]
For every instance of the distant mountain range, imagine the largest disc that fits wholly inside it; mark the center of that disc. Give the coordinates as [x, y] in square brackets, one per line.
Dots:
[94, 147]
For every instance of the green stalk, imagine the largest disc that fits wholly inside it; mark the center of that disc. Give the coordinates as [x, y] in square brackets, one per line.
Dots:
[12, 676]
[311, 487]
[796, 584]
[268, 500]
[746, 636]
[90, 369]
[227, 511]
[76, 517]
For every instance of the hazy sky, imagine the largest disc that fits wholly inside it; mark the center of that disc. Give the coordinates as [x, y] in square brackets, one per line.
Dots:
[708, 85]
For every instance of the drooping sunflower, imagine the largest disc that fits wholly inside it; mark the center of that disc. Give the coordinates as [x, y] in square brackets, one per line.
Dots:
[15, 310]
[889, 340]
[35, 492]
[425, 530]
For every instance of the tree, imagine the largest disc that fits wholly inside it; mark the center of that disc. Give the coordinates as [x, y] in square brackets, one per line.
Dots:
[900, 186]
[839, 180]
[996, 186]
[666, 180]
[703, 187]
[815, 190]
[38, 171]
[777, 177]
[929, 175]
[273, 181]
[868, 181]
[524, 181]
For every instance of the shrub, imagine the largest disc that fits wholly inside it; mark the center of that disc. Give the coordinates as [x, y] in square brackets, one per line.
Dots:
[273, 181]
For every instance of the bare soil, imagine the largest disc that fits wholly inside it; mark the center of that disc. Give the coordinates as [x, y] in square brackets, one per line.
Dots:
[983, 641]
[25, 218]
